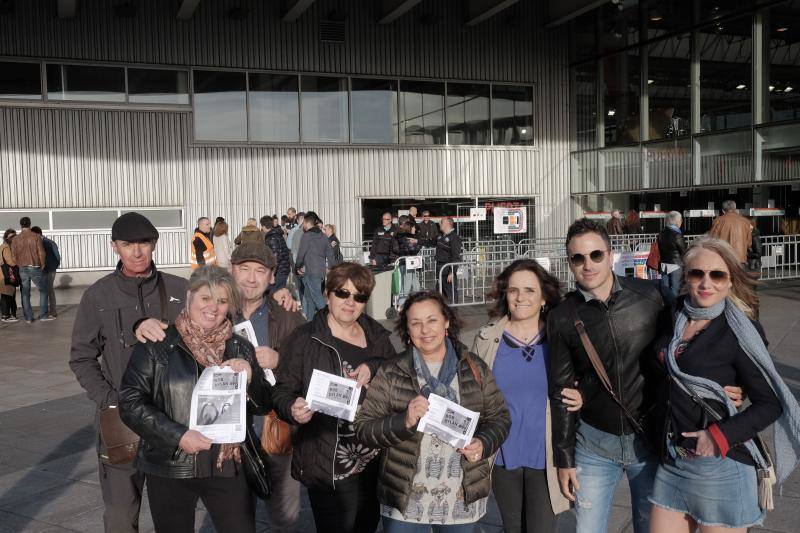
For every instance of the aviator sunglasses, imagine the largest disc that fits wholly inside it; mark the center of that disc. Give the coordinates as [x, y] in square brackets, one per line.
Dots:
[694, 275]
[344, 294]
[596, 256]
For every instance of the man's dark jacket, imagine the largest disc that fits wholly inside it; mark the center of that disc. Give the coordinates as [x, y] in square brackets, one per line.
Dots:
[383, 242]
[310, 347]
[623, 332]
[671, 246]
[277, 243]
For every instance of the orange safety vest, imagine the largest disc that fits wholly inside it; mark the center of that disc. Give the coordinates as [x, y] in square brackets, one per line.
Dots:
[209, 255]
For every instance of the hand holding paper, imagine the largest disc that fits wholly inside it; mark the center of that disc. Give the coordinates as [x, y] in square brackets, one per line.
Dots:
[333, 395]
[449, 421]
[219, 401]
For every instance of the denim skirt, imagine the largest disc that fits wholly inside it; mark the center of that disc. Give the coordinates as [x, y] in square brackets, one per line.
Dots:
[714, 491]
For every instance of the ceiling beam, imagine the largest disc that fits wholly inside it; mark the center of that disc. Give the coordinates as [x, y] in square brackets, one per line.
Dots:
[392, 10]
[66, 8]
[295, 9]
[481, 10]
[187, 9]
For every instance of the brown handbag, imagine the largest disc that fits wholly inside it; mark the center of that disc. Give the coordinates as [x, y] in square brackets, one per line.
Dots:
[276, 437]
[120, 442]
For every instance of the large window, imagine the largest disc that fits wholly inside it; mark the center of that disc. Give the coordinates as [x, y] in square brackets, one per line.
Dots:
[467, 113]
[158, 86]
[20, 81]
[512, 114]
[782, 74]
[668, 87]
[10, 219]
[619, 25]
[324, 105]
[86, 83]
[374, 110]
[668, 16]
[583, 118]
[725, 50]
[422, 112]
[220, 107]
[84, 220]
[274, 107]
[621, 79]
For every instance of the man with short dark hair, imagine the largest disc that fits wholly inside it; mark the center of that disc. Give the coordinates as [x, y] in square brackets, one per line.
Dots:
[28, 251]
[448, 250]
[52, 260]
[427, 230]
[273, 237]
[314, 257]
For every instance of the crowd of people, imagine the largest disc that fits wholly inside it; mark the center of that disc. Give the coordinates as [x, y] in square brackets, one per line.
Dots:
[618, 377]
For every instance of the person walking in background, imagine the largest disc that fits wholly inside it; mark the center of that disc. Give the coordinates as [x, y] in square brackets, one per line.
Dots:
[734, 229]
[632, 224]
[249, 233]
[222, 244]
[448, 250]
[314, 257]
[274, 239]
[52, 260]
[292, 219]
[380, 254]
[614, 224]
[427, 231]
[295, 235]
[202, 250]
[8, 289]
[407, 245]
[671, 247]
[514, 346]
[330, 231]
[27, 249]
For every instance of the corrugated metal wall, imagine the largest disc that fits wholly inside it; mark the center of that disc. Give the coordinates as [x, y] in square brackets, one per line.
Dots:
[81, 157]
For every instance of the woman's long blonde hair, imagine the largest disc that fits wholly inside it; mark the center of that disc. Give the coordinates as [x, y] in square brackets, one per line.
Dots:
[743, 284]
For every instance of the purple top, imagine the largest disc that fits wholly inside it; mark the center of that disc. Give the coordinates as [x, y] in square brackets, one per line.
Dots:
[521, 374]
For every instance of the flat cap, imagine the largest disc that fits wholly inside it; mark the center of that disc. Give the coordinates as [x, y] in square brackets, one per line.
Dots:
[254, 251]
[133, 227]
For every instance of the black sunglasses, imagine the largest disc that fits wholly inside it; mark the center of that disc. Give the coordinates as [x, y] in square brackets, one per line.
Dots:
[695, 275]
[596, 256]
[344, 294]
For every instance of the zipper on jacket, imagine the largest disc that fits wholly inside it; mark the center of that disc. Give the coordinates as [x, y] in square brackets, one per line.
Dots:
[336, 446]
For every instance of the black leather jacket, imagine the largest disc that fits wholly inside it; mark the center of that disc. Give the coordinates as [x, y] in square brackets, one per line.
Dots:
[155, 400]
[671, 246]
[623, 331]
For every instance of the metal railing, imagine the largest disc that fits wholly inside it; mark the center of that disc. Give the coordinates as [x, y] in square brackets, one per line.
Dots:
[781, 257]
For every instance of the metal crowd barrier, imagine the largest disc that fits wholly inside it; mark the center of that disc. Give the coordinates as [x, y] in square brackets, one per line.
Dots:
[781, 257]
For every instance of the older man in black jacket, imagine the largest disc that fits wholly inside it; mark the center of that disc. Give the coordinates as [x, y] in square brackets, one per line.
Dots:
[671, 247]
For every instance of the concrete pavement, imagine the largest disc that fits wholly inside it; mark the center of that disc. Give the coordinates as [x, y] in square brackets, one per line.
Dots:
[48, 468]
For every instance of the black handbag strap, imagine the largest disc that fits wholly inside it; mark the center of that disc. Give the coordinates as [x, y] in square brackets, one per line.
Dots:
[599, 369]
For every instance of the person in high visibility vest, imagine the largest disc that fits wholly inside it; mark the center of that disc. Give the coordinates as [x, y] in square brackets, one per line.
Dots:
[201, 251]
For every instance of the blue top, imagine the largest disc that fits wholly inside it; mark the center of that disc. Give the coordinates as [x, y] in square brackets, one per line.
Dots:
[259, 319]
[521, 374]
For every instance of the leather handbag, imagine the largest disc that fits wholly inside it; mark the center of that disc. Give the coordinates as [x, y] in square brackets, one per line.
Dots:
[120, 442]
[276, 435]
[254, 463]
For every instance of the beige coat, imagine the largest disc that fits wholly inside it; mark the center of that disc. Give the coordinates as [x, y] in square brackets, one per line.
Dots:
[485, 346]
[5, 251]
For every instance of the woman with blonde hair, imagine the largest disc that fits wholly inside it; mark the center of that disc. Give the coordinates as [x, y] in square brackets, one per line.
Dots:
[713, 471]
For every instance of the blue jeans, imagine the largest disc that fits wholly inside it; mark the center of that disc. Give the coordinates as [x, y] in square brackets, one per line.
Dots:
[312, 295]
[390, 525]
[601, 459]
[671, 285]
[26, 275]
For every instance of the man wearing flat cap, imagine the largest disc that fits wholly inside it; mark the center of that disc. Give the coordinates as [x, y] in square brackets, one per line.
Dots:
[113, 312]
[253, 267]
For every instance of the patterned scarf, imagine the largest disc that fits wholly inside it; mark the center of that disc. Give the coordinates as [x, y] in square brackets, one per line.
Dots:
[207, 346]
[787, 427]
[439, 385]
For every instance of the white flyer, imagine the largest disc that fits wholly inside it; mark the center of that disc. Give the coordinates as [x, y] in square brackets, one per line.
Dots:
[246, 330]
[219, 403]
[449, 421]
[333, 395]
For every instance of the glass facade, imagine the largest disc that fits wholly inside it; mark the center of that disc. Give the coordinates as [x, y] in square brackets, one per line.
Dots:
[86, 83]
[220, 104]
[21, 81]
[274, 107]
[512, 115]
[676, 94]
[324, 101]
[158, 86]
[468, 113]
[422, 112]
[374, 110]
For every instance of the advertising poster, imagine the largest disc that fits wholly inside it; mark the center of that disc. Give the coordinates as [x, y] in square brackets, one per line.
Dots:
[510, 220]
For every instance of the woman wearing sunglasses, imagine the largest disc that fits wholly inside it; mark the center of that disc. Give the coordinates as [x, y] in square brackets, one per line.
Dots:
[339, 472]
[708, 476]
[514, 346]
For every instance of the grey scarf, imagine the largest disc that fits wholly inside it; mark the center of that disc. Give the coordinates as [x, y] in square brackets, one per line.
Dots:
[787, 428]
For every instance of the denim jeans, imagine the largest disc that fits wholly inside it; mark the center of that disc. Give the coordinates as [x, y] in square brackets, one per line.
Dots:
[601, 459]
[390, 525]
[34, 274]
[312, 295]
[671, 285]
